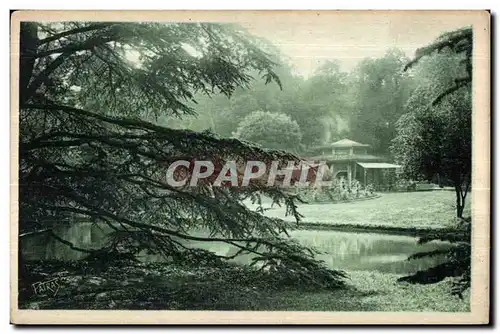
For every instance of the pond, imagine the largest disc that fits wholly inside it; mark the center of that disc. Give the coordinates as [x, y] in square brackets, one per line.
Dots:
[370, 251]
[341, 250]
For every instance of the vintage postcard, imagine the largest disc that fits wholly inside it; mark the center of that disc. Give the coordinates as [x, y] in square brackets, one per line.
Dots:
[250, 167]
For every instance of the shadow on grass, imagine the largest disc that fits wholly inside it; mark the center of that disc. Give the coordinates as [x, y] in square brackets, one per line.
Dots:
[161, 287]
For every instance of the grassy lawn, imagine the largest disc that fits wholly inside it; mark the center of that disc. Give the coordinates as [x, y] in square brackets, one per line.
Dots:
[372, 291]
[422, 210]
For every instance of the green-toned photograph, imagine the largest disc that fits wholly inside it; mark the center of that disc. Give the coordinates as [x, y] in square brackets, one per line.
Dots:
[223, 165]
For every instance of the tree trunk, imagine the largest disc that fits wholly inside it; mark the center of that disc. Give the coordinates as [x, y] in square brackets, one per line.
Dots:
[460, 201]
[28, 43]
[461, 211]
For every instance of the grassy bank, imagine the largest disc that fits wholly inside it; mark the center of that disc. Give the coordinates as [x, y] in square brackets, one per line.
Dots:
[412, 212]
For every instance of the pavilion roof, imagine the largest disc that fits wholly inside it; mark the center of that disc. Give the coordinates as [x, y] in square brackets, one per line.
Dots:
[347, 157]
[348, 143]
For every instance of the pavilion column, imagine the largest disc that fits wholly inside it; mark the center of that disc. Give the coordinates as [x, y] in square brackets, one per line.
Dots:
[349, 174]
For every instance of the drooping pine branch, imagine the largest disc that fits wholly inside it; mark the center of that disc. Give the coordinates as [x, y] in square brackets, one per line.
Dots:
[79, 30]
[139, 177]
[459, 42]
[79, 160]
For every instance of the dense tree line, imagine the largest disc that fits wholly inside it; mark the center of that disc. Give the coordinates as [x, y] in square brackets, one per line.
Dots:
[363, 104]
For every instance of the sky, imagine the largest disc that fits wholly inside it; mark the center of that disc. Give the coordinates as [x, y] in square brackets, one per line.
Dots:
[309, 40]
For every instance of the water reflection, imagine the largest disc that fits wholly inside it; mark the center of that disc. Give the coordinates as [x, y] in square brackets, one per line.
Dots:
[340, 250]
[370, 251]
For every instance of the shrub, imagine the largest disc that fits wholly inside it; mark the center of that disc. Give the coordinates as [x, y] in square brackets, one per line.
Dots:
[340, 191]
[271, 130]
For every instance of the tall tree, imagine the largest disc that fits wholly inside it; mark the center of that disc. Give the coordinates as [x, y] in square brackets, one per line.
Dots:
[380, 90]
[320, 105]
[89, 146]
[435, 138]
